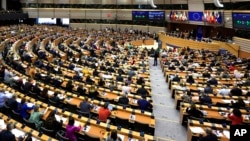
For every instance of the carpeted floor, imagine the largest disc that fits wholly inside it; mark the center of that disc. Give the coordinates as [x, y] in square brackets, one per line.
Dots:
[167, 117]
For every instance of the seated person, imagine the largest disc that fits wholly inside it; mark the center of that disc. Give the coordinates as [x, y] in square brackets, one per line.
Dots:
[69, 86]
[210, 136]
[235, 117]
[236, 91]
[93, 93]
[142, 91]
[104, 113]
[7, 135]
[12, 103]
[190, 79]
[140, 81]
[113, 136]
[23, 108]
[101, 83]
[205, 99]
[176, 78]
[194, 112]
[213, 81]
[81, 90]
[119, 78]
[85, 107]
[126, 88]
[208, 89]
[71, 129]
[239, 104]
[36, 117]
[123, 100]
[206, 74]
[89, 80]
[144, 104]
[51, 122]
[224, 90]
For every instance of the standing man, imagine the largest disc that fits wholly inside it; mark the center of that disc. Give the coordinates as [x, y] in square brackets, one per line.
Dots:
[156, 54]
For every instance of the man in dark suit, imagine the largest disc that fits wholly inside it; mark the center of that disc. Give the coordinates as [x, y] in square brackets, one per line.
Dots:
[156, 54]
[142, 91]
[6, 135]
[210, 136]
[123, 100]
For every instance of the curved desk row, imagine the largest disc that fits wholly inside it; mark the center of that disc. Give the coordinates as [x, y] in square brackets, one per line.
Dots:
[214, 46]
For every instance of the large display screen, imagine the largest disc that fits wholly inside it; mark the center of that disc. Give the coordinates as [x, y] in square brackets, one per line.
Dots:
[212, 17]
[195, 16]
[65, 21]
[140, 15]
[46, 20]
[178, 16]
[241, 20]
[156, 15]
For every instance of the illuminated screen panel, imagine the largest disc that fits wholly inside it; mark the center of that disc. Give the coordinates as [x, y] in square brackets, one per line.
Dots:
[156, 15]
[140, 15]
[241, 21]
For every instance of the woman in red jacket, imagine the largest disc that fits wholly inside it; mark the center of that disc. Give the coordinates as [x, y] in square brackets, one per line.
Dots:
[235, 117]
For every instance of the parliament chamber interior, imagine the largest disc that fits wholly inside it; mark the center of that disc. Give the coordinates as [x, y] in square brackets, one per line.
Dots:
[124, 70]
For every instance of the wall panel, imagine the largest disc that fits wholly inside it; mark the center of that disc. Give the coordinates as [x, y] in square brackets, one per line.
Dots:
[228, 19]
[46, 12]
[77, 13]
[244, 43]
[93, 14]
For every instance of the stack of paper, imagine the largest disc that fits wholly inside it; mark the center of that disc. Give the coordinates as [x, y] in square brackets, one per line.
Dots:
[2, 124]
[17, 132]
[86, 128]
[197, 130]
[58, 118]
[121, 137]
[226, 133]
[132, 117]
[50, 92]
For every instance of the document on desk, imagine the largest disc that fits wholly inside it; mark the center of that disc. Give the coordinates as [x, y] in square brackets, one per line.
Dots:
[2, 124]
[226, 133]
[50, 92]
[121, 137]
[197, 130]
[86, 128]
[132, 117]
[218, 133]
[18, 100]
[17, 132]
[30, 105]
[195, 98]
[227, 101]
[58, 118]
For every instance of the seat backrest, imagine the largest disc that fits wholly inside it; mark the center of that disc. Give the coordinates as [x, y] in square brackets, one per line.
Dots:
[48, 132]
[91, 138]
[29, 123]
[60, 136]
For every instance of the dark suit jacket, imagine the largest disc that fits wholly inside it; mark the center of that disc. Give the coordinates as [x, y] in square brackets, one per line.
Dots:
[210, 137]
[123, 100]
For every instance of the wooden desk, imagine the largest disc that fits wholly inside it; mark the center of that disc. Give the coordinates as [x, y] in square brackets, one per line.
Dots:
[26, 129]
[212, 113]
[214, 46]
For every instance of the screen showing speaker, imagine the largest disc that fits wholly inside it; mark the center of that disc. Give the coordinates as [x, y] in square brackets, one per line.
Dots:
[212, 17]
[241, 21]
[140, 15]
[178, 16]
[46, 20]
[156, 15]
